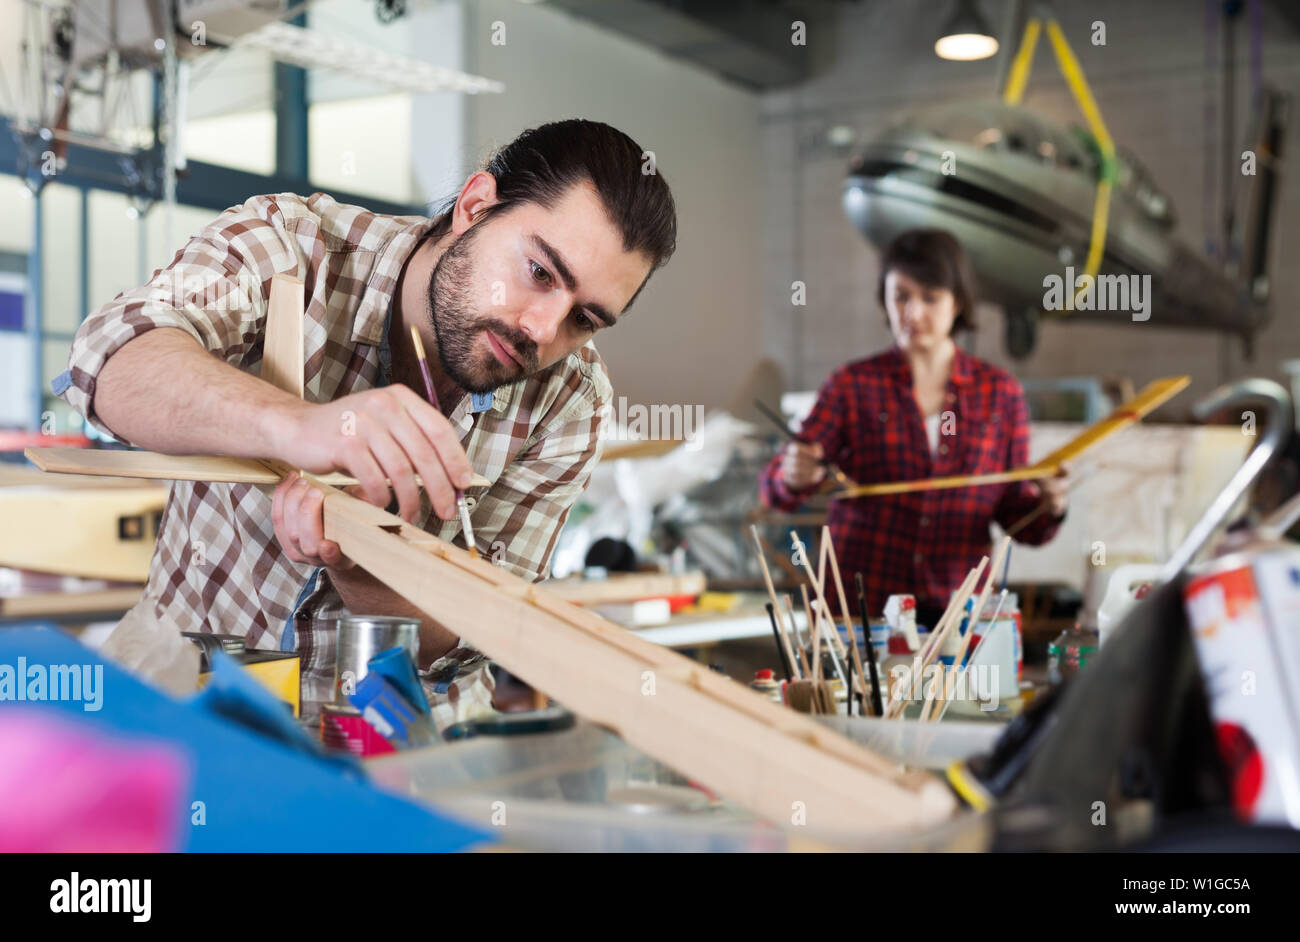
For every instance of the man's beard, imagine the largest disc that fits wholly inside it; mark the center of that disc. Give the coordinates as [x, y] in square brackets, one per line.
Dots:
[456, 327]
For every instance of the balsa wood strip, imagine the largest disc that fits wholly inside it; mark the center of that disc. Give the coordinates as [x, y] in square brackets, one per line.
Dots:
[627, 587]
[283, 349]
[1153, 395]
[153, 466]
[70, 603]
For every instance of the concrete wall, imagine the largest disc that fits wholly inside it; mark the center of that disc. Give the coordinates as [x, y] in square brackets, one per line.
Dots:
[693, 334]
[1150, 83]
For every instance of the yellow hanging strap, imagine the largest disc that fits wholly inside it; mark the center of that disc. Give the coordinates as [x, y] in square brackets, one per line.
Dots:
[1022, 65]
[1018, 78]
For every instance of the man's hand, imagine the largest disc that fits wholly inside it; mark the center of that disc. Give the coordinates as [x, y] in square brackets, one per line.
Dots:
[389, 432]
[297, 512]
[802, 465]
[1055, 491]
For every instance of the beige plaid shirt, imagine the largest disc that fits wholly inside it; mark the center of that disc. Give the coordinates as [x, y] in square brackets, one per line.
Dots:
[217, 566]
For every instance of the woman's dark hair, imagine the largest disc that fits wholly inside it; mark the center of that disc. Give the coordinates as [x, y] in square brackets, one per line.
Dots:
[542, 163]
[935, 259]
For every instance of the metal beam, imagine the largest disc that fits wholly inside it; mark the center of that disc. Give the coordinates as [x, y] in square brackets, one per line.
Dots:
[35, 314]
[205, 185]
[291, 131]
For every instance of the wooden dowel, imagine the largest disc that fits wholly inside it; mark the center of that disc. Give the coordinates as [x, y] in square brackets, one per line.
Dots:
[844, 614]
[794, 626]
[1004, 547]
[877, 705]
[815, 631]
[771, 593]
[802, 552]
[939, 633]
[952, 617]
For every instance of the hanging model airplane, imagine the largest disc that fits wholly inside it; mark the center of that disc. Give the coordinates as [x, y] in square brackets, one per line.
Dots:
[1021, 195]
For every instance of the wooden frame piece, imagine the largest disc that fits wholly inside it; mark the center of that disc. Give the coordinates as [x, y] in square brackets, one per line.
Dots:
[153, 466]
[1152, 396]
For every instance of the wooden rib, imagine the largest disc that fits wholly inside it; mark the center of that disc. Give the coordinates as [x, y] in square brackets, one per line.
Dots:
[1152, 396]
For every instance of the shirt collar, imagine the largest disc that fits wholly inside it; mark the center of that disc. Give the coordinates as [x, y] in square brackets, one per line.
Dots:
[370, 324]
[960, 375]
[376, 308]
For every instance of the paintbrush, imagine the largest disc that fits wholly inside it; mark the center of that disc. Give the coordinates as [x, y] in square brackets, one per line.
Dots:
[466, 527]
[843, 479]
[877, 705]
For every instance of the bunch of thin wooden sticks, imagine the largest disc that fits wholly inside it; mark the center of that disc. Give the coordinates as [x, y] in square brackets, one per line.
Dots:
[805, 676]
[941, 691]
[808, 692]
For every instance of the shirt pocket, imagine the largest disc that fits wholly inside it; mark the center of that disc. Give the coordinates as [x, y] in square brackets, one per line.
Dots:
[985, 444]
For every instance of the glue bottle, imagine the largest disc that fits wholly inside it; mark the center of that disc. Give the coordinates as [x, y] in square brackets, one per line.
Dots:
[765, 683]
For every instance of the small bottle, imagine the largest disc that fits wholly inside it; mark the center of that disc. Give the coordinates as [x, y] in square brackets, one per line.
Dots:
[765, 683]
[1069, 653]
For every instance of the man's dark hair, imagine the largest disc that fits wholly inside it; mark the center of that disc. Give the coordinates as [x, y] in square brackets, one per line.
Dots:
[936, 259]
[542, 163]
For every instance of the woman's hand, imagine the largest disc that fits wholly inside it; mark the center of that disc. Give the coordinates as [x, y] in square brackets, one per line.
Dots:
[802, 466]
[1055, 491]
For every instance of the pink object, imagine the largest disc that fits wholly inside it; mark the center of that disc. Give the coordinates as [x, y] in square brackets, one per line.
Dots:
[345, 729]
[65, 788]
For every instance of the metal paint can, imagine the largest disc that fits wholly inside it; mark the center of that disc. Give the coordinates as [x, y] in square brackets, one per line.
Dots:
[1244, 613]
[361, 637]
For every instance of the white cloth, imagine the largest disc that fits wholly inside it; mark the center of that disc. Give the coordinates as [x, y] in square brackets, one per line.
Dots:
[932, 432]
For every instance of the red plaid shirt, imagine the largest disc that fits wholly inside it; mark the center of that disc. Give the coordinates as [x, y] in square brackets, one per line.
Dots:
[869, 425]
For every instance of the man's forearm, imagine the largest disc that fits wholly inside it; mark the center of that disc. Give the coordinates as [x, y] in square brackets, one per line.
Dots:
[363, 594]
[163, 392]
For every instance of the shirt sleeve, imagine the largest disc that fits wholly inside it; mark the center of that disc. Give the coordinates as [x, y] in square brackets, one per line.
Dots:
[1021, 498]
[215, 290]
[824, 425]
[518, 520]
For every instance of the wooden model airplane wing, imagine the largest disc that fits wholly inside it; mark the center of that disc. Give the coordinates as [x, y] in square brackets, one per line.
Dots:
[1153, 395]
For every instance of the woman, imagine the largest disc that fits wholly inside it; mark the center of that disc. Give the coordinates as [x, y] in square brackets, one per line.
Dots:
[924, 408]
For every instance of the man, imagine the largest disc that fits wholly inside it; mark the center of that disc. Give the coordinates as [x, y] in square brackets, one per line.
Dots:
[507, 286]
